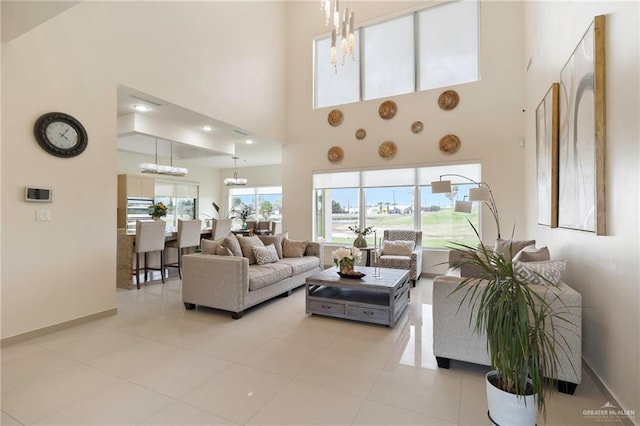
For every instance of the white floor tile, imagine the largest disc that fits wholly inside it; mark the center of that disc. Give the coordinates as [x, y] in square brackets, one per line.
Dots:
[179, 413]
[373, 413]
[19, 371]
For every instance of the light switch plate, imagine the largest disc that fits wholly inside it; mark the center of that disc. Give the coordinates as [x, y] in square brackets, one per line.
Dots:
[43, 215]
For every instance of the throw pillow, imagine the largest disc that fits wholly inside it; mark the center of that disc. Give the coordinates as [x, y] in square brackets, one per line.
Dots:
[223, 251]
[276, 240]
[293, 248]
[210, 246]
[533, 255]
[231, 242]
[247, 243]
[397, 248]
[265, 254]
[509, 248]
[541, 273]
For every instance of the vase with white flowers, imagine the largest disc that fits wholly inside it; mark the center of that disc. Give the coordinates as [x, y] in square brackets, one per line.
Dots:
[345, 258]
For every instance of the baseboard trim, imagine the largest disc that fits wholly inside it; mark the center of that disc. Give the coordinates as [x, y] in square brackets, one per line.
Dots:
[19, 338]
[605, 391]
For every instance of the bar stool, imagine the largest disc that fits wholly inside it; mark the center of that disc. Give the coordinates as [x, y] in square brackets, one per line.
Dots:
[149, 238]
[188, 236]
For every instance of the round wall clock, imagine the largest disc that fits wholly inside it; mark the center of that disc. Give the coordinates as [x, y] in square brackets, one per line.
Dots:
[60, 134]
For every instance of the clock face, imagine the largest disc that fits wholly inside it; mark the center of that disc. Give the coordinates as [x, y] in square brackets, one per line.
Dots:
[60, 134]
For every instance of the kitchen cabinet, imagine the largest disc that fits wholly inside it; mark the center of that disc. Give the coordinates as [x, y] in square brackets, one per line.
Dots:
[130, 186]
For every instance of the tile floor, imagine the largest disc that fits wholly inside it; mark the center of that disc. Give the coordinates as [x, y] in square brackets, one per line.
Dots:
[156, 363]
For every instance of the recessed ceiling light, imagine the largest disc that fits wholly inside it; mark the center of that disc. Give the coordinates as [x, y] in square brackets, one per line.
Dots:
[249, 141]
[141, 108]
[207, 128]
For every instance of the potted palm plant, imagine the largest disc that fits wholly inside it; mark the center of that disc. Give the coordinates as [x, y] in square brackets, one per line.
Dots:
[520, 325]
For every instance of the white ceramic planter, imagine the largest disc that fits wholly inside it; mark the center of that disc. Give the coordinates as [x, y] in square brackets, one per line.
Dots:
[506, 409]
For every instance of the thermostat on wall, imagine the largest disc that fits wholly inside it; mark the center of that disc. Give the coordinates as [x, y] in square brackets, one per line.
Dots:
[39, 195]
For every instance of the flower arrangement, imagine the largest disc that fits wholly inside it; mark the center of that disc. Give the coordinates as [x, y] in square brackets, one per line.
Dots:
[350, 254]
[157, 210]
[361, 232]
[241, 212]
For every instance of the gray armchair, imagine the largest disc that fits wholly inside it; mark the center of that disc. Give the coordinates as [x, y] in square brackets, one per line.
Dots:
[399, 257]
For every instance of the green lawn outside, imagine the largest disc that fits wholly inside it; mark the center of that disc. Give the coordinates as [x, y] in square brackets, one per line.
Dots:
[439, 228]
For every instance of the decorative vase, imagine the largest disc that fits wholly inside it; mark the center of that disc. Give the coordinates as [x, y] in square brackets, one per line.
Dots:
[346, 266]
[244, 225]
[360, 242]
[156, 217]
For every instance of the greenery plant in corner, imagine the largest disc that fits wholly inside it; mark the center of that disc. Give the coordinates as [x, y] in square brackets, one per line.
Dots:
[520, 324]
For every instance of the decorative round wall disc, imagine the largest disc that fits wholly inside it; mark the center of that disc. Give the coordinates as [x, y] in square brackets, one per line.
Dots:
[361, 134]
[448, 100]
[335, 154]
[335, 117]
[449, 144]
[388, 110]
[417, 127]
[387, 149]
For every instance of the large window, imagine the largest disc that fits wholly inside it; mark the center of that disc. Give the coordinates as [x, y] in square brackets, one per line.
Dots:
[180, 199]
[264, 203]
[394, 199]
[430, 48]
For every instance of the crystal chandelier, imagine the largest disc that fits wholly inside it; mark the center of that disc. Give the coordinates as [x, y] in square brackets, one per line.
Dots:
[342, 26]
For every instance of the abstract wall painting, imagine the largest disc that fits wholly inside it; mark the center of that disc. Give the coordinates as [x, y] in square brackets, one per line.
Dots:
[547, 133]
[581, 203]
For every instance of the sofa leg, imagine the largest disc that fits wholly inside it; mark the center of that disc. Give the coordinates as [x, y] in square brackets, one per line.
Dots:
[236, 315]
[567, 387]
[413, 283]
[189, 306]
[287, 293]
[443, 362]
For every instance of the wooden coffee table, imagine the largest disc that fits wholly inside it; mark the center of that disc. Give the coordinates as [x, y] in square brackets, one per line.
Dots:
[376, 300]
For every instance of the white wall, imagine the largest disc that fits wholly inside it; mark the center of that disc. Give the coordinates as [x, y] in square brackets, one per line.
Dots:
[223, 59]
[604, 269]
[488, 120]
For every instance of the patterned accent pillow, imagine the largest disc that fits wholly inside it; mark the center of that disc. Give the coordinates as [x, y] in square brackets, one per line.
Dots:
[210, 246]
[276, 240]
[265, 255]
[533, 255]
[231, 242]
[398, 248]
[293, 248]
[509, 248]
[541, 273]
[247, 244]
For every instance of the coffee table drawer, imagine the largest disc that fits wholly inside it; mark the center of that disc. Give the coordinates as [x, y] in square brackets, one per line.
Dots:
[368, 314]
[328, 308]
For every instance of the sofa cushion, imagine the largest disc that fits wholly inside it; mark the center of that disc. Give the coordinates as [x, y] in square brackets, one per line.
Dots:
[263, 275]
[265, 254]
[301, 264]
[532, 255]
[398, 247]
[541, 273]
[247, 244]
[223, 251]
[293, 248]
[231, 242]
[210, 246]
[509, 248]
[276, 240]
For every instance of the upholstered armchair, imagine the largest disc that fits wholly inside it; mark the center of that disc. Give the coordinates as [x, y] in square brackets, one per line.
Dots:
[402, 249]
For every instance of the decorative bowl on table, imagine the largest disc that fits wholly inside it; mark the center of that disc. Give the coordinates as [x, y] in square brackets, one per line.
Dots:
[353, 275]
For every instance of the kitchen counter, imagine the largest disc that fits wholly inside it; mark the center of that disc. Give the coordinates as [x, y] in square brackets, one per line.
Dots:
[125, 255]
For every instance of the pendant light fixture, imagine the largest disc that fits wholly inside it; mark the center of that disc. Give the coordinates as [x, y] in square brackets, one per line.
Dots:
[235, 180]
[163, 169]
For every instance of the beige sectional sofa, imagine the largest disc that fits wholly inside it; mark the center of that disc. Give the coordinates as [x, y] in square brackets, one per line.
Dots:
[235, 281]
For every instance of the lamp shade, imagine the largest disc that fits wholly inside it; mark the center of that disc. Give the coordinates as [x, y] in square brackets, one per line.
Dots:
[148, 167]
[441, 187]
[463, 206]
[479, 194]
